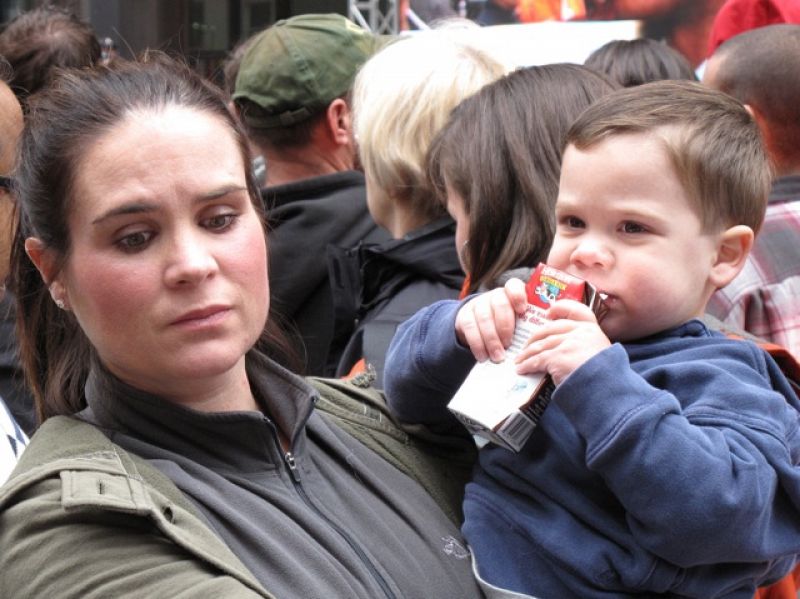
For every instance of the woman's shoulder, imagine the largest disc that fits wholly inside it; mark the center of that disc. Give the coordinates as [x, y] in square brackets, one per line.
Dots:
[440, 463]
[62, 438]
[68, 448]
[88, 501]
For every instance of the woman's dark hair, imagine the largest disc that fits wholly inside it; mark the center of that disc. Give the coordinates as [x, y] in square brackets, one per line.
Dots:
[638, 61]
[41, 41]
[64, 122]
[501, 152]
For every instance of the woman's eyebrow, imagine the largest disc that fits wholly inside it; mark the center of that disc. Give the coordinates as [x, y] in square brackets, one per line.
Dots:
[220, 192]
[142, 207]
[125, 209]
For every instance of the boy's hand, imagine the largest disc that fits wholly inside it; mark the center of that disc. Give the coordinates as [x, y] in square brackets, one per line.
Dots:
[486, 323]
[562, 345]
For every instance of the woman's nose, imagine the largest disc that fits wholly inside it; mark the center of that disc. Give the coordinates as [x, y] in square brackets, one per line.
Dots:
[191, 261]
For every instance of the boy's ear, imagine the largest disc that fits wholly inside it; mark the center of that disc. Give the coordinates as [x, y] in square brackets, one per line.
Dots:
[732, 250]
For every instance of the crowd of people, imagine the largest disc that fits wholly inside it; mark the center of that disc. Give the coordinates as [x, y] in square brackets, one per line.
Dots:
[234, 316]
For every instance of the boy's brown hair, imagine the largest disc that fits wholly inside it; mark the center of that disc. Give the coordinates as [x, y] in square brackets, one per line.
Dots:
[711, 140]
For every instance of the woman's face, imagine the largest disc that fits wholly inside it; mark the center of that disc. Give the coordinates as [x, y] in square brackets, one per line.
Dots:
[167, 271]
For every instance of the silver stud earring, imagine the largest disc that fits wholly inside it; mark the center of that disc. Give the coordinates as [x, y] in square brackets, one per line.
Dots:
[59, 303]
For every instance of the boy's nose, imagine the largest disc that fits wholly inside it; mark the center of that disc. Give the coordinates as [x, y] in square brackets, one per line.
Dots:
[591, 253]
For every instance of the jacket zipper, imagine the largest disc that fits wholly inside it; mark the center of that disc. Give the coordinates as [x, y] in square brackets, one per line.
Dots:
[291, 465]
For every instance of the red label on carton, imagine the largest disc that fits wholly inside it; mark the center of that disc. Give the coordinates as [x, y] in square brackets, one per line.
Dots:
[547, 285]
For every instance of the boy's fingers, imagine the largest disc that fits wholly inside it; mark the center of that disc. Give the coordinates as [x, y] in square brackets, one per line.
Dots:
[478, 348]
[536, 346]
[571, 310]
[487, 327]
[468, 332]
[473, 340]
[505, 319]
[550, 329]
[515, 291]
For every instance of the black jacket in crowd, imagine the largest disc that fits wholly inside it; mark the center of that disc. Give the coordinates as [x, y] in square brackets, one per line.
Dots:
[378, 286]
[305, 217]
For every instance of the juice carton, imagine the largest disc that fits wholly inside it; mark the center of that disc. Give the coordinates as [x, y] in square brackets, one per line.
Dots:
[495, 402]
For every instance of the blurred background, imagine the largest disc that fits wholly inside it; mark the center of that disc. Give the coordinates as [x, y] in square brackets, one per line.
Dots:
[538, 31]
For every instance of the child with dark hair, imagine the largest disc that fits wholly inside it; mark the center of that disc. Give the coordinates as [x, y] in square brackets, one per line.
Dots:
[495, 165]
[666, 461]
[638, 61]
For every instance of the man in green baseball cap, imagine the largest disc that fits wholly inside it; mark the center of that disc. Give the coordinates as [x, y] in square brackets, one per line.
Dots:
[297, 67]
[292, 97]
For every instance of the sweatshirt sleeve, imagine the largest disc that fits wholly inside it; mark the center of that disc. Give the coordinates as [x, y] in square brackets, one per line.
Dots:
[705, 476]
[425, 365]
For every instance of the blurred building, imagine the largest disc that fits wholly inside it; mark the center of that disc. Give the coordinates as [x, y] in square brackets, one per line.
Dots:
[202, 30]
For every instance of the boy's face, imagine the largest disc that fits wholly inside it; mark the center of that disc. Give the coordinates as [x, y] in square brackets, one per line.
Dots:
[624, 224]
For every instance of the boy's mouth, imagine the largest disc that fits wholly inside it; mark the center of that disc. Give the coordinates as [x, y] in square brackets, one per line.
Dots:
[609, 300]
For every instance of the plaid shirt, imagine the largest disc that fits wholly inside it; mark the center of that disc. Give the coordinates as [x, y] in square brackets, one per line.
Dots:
[764, 299]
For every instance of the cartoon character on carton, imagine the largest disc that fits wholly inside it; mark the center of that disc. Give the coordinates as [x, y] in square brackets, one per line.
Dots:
[548, 292]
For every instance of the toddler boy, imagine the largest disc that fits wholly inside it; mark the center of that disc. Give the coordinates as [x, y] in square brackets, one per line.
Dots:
[666, 462]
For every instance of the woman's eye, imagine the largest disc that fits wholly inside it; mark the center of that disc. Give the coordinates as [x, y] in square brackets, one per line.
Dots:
[134, 241]
[631, 227]
[219, 222]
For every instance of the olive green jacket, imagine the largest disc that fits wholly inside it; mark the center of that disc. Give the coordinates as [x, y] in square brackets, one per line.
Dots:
[81, 517]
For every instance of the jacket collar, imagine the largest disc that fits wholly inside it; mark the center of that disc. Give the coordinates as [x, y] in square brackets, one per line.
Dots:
[220, 440]
[311, 188]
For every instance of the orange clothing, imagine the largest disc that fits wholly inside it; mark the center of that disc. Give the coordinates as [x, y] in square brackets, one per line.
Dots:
[785, 588]
[533, 11]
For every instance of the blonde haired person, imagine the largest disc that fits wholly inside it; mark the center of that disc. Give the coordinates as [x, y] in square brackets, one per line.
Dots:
[402, 97]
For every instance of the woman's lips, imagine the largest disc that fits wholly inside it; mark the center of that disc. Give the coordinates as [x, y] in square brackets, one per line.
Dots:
[202, 316]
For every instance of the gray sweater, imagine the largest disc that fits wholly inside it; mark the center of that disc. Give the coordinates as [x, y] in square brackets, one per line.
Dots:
[329, 518]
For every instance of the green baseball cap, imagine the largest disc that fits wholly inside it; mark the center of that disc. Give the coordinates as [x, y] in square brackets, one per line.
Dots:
[298, 66]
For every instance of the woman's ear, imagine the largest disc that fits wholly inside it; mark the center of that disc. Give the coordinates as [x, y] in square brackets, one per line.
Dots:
[45, 261]
[733, 248]
[42, 258]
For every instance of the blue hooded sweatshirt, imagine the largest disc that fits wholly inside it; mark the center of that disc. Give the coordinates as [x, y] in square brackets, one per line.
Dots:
[667, 466]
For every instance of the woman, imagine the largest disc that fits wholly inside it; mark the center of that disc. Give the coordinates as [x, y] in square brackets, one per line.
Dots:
[496, 164]
[175, 457]
[402, 96]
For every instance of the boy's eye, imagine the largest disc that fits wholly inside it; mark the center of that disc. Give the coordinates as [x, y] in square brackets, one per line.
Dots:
[631, 227]
[134, 242]
[219, 222]
[572, 222]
